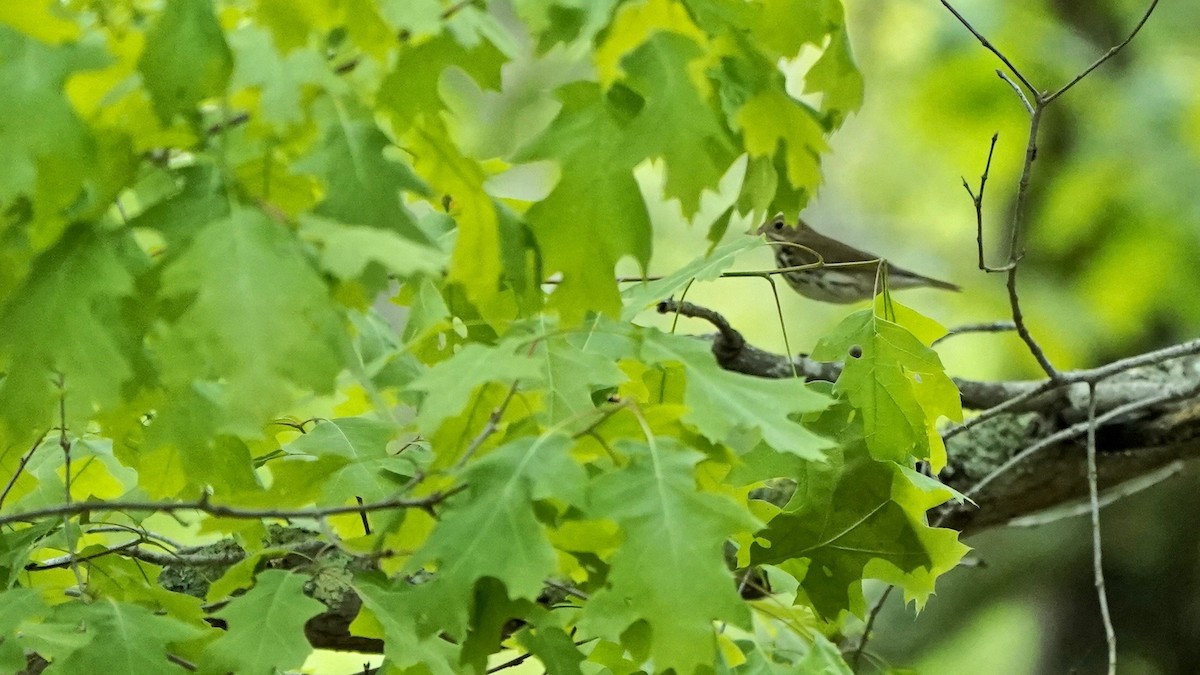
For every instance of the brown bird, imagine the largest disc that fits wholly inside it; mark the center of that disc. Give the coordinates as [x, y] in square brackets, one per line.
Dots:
[833, 284]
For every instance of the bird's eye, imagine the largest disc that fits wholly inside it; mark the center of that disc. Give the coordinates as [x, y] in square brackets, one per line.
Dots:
[778, 225]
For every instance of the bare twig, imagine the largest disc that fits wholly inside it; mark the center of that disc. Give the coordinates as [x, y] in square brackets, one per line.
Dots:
[729, 334]
[230, 122]
[1035, 108]
[1104, 57]
[977, 201]
[1089, 376]
[518, 660]
[195, 558]
[511, 663]
[1015, 253]
[1076, 430]
[493, 421]
[456, 8]
[991, 327]
[1093, 481]
[64, 442]
[221, 511]
[568, 589]
[1023, 330]
[866, 636]
[782, 325]
[989, 46]
[1020, 93]
[682, 297]
[182, 662]
[146, 535]
[73, 559]
[1111, 495]
[21, 466]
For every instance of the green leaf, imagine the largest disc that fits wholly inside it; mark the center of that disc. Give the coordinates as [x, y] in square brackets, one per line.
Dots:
[677, 121]
[475, 263]
[596, 214]
[722, 404]
[186, 59]
[43, 21]
[120, 637]
[49, 153]
[266, 626]
[352, 457]
[837, 77]
[415, 16]
[496, 123]
[256, 320]
[781, 28]
[672, 549]
[199, 200]
[449, 384]
[20, 605]
[771, 123]
[285, 83]
[411, 89]
[572, 372]
[363, 175]
[898, 383]
[347, 250]
[492, 619]
[394, 607]
[704, 268]
[855, 517]
[66, 321]
[493, 530]
[553, 647]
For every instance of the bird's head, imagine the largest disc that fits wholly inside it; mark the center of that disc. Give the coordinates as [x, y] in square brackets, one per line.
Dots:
[778, 229]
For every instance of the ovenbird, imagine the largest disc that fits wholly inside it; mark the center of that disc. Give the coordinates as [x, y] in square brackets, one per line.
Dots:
[833, 284]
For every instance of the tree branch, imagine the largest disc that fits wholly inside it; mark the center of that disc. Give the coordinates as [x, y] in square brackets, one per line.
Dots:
[1021, 456]
[222, 511]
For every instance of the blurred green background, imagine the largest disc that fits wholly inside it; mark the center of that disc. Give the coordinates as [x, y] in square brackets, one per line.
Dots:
[1113, 233]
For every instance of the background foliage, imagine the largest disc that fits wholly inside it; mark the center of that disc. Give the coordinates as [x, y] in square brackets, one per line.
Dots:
[202, 206]
[1112, 233]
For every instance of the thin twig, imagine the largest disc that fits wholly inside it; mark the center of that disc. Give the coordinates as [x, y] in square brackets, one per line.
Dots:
[12, 481]
[1093, 481]
[1077, 430]
[682, 298]
[229, 122]
[1089, 376]
[511, 663]
[454, 9]
[555, 280]
[489, 428]
[1015, 253]
[146, 535]
[992, 327]
[989, 46]
[182, 662]
[221, 511]
[73, 559]
[977, 201]
[866, 636]
[782, 326]
[728, 332]
[64, 442]
[1110, 496]
[1106, 56]
[518, 660]
[568, 589]
[1023, 330]
[1020, 94]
